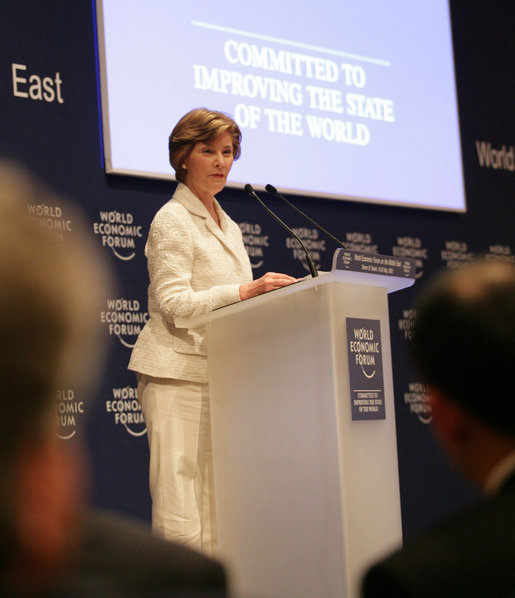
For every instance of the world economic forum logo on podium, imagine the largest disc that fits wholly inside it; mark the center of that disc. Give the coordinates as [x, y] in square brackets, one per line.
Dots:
[365, 368]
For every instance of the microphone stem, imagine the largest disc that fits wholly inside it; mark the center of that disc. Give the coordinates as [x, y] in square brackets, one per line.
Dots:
[311, 265]
[274, 191]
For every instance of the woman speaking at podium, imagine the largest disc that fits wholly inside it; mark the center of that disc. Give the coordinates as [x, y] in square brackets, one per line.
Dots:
[197, 262]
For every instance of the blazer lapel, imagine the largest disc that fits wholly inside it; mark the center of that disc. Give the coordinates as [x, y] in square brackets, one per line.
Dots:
[191, 202]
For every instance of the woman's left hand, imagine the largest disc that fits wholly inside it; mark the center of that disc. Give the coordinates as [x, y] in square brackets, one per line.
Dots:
[267, 282]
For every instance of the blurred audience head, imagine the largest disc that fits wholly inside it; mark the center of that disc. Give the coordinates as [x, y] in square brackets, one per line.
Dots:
[49, 300]
[464, 344]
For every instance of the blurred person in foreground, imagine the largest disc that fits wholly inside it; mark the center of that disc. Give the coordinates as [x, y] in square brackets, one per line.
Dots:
[464, 344]
[51, 546]
[197, 262]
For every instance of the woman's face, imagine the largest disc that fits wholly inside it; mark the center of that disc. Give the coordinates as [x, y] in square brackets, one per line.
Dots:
[208, 165]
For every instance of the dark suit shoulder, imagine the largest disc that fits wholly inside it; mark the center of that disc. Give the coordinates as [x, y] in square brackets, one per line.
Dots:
[119, 549]
[469, 554]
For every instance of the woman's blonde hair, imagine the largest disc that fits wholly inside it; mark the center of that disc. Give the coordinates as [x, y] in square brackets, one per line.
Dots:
[200, 125]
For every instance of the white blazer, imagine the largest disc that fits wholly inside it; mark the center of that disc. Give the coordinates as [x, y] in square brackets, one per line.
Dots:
[194, 267]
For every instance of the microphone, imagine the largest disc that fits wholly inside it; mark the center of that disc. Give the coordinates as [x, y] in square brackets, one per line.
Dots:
[250, 190]
[271, 189]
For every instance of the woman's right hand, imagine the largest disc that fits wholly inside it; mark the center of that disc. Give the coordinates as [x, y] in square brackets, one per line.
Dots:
[268, 282]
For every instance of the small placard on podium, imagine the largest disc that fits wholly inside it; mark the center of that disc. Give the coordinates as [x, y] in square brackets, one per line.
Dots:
[373, 263]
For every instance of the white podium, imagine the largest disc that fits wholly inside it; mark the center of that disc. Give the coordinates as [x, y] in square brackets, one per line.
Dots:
[306, 475]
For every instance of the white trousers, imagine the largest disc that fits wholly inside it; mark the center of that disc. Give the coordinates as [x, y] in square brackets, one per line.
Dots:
[176, 414]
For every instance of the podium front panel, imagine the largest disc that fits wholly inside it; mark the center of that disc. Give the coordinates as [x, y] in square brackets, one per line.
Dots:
[306, 496]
